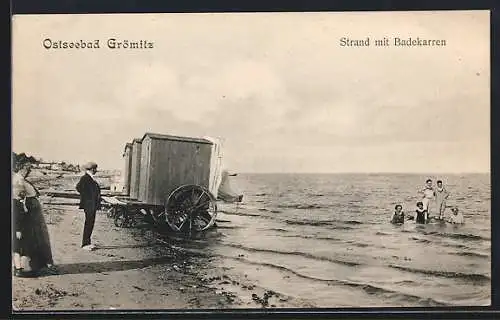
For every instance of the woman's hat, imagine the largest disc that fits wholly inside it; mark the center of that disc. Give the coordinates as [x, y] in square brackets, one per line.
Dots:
[90, 165]
[19, 163]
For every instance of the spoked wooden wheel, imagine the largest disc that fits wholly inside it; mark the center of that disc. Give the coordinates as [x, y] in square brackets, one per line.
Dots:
[190, 208]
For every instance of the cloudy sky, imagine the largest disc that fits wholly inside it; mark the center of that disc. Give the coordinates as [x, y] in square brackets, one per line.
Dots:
[277, 87]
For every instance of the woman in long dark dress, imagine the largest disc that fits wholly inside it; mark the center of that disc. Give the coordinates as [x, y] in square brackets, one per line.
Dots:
[31, 242]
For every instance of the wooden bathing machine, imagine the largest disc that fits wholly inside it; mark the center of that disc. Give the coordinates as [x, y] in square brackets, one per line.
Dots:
[168, 162]
[135, 168]
[127, 156]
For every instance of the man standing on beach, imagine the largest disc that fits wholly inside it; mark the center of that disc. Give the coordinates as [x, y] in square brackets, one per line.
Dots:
[90, 202]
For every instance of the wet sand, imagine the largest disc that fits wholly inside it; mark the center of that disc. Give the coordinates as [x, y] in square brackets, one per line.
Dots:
[133, 268]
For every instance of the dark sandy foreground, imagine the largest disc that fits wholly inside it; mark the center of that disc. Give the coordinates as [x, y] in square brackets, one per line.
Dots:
[128, 272]
[133, 268]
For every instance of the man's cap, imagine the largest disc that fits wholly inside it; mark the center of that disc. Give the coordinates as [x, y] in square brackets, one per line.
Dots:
[90, 165]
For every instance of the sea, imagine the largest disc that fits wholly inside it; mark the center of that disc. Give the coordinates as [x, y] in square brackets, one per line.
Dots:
[327, 239]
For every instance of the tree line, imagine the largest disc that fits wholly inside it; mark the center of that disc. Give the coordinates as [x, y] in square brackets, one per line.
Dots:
[39, 163]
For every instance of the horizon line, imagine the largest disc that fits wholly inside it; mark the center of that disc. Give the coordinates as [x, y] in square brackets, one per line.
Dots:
[345, 172]
[363, 172]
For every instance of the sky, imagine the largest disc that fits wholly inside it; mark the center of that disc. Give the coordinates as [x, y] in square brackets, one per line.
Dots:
[276, 87]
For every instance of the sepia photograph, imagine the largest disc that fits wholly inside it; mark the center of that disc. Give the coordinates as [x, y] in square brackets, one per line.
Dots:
[251, 160]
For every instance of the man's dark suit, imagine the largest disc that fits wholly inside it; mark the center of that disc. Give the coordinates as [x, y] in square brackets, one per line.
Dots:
[90, 202]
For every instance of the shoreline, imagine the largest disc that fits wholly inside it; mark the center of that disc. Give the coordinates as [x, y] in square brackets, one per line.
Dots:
[132, 269]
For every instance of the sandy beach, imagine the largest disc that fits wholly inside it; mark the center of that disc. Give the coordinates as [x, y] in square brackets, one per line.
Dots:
[133, 268]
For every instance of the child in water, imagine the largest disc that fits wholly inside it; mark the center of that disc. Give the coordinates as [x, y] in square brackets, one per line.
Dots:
[398, 217]
[441, 196]
[421, 214]
[456, 217]
[428, 194]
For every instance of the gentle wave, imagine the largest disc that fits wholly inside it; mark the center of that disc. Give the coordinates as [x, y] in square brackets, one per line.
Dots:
[455, 245]
[331, 223]
[407, 282]
[311, 237]
[463, 236]
[475, 277]
[301, 206]
[360, 244]
[315, 195]
[368, 288]
[232, 213]
[295, 253]
[354, 243]
[471, 254]
[278, 229]
[222, 220]
[407, 231]
[420, 240]
[270, 210]
[228, 227]
[352, 222]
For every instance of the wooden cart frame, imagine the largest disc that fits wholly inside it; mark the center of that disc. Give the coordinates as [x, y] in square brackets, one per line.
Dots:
[188, 209]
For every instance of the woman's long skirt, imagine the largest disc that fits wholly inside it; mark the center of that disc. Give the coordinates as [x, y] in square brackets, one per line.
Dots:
[34, 245]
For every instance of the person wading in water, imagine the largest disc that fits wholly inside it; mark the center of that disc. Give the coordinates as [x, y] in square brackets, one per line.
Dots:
[428, 195]
[421, 214]
[441, 195]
